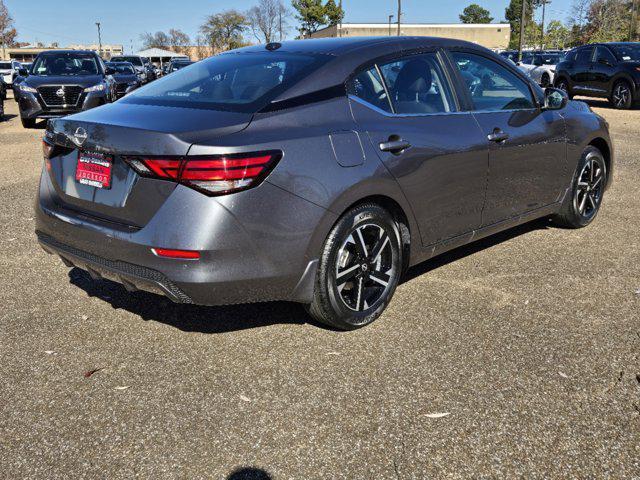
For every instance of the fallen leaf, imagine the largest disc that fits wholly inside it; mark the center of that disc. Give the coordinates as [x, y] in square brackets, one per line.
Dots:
[638, 291]
[11, 239]
[91, 372]
[245, 399]
[122, 388]
[333, 353]
[85, 317]
[563, 375]
[49, 352]
[437, 415]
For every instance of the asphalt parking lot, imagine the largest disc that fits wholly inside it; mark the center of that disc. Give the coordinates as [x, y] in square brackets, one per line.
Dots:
[515, 356]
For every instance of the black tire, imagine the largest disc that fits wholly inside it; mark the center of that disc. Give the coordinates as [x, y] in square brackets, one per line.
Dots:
[582, 203]
[28, 122]
[563, 85]
[545, 80]
[621, 95]
[345, 305]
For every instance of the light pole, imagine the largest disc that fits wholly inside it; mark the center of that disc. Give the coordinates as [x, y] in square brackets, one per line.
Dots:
[399, 14]
[544, 4]
[99, 40]
[390, 18]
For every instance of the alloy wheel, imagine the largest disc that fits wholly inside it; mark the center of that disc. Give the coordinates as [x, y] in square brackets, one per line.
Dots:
[364, 267]
[590, 186]
[621, 95]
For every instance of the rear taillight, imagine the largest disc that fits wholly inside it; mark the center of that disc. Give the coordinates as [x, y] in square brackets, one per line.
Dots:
[212, 175]
[47, 149]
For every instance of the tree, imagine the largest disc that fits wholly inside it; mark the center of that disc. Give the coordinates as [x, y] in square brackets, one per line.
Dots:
[8, 33]
[474, 13]
[179, 41]
[608, 21]
[557, 35]
[155, 40]
[267, 20]
[224, 30]
[334, 13]
[512, 14]
[312, 15]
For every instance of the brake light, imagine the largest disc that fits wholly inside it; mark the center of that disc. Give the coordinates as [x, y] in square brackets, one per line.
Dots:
[212, 175]
[172, 253]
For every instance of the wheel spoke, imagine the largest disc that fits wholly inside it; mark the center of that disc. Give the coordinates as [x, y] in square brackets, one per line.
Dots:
[380, 277]
[596, 183]
[592, 200]
[360, 243]
[583, 203]
[381, 243]
[359, 298]
[591, 170]
[347, 274]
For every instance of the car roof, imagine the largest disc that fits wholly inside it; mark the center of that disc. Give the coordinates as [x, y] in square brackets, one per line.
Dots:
[82, 52]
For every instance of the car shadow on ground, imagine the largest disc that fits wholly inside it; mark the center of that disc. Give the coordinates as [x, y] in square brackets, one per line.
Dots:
[7, 116]
[595, 102]
[229, 318]
[249, 473]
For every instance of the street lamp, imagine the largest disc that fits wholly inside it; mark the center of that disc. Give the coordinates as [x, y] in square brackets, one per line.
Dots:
[99, 39]
[399, 14]
[390, 18]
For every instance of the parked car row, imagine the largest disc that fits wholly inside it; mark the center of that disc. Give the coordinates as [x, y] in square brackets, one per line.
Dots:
[63, 82]
[604, 70]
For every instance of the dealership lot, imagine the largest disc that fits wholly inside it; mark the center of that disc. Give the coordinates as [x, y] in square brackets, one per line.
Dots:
[517, 355]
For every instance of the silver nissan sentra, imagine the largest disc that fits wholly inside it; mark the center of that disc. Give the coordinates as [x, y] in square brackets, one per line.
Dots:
[314, 171]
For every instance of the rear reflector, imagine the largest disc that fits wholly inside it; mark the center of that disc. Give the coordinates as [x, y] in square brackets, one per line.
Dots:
[171, 253]
[212, 175]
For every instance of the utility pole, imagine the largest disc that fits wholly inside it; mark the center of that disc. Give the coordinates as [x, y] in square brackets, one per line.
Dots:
[340, 22]
[399, 14]
[523, 12]
[99, 40]
[544, 4]
[634, 20]
[390, 18]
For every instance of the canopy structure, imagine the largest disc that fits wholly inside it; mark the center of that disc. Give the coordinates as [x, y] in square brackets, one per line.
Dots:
[160, 56]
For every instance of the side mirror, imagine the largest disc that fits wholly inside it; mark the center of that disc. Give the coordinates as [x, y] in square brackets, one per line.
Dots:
[23, 72]
[555, 99]
[604, 61]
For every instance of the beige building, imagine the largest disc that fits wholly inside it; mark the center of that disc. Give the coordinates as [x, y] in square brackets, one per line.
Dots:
[491, 35]
[28, 54]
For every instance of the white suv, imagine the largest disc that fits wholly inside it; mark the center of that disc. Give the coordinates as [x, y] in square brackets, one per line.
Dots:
[540, 66]
[9, 71]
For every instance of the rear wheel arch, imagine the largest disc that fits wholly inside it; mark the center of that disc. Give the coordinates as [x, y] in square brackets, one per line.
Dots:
[602, 145]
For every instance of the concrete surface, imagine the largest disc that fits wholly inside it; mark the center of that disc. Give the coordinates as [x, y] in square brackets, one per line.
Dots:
[528, 341]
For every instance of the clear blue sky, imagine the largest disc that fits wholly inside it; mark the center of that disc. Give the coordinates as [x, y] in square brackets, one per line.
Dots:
[73, 21]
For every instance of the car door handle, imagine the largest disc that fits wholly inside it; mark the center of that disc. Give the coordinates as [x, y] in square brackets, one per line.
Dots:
[498, 136]
[394, 146]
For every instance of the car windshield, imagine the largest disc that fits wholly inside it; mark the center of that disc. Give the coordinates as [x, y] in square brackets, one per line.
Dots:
[179, 65]
[239, 82]
[134, 60]
[125, 69]
[65, 64]
[5, 65]
[627, 52]
[549, 58]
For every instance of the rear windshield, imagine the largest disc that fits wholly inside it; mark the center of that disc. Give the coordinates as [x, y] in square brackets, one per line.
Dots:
[134, 60]
[65, 64]
[627, 52]
[240, 82]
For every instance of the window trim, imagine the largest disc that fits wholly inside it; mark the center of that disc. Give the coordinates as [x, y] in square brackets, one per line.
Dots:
[464, 90]
[398, 56]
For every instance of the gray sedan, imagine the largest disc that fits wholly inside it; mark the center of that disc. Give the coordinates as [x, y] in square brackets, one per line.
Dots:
[314, 171]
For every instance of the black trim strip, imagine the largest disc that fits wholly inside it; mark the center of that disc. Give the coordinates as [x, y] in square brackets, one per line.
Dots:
[314, 97]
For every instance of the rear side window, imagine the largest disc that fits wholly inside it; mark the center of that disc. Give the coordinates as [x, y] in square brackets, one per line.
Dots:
[239, 82]
[417, 85]
[492, 86]
[584, 55]
[367, 86]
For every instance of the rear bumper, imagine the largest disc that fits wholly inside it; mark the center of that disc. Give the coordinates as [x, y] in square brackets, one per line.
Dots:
[257, 245]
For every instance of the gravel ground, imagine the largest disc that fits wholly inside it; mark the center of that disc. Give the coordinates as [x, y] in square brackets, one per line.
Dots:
[529, 343]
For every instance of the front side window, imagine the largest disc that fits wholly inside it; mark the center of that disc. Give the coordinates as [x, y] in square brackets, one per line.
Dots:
[239, 82]
[627, 52]
[492, 86]
[604, 55]
[417, 85]
[368, 86]
[63, 64]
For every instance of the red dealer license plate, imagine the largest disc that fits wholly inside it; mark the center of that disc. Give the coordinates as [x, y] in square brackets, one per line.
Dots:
[94, 169]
